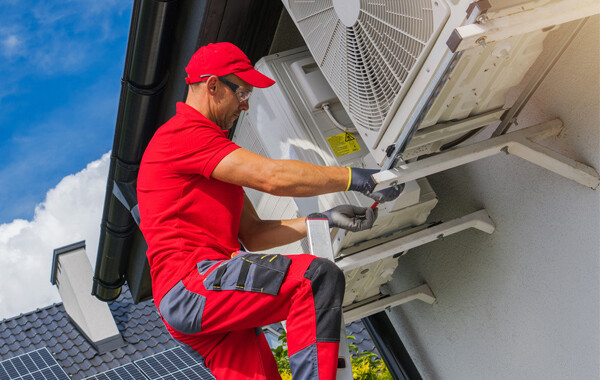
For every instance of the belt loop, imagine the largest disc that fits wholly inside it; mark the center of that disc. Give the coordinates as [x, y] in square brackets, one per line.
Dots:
[220, 272]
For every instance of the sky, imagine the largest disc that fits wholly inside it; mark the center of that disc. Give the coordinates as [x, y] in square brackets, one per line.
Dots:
[60, 68]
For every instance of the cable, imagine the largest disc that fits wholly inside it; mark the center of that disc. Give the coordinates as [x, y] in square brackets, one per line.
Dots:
[325, 108]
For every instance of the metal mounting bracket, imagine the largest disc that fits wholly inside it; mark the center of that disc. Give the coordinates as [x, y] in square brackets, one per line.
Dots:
[479, 220]
[528, 17]
[518, 143]
[421, 293]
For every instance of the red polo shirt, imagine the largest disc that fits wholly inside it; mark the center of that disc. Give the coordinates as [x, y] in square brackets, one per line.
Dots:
[186, 216]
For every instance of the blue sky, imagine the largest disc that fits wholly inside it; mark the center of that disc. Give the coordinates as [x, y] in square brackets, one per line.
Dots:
[61, 66]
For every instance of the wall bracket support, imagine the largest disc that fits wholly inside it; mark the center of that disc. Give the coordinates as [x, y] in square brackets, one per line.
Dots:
[422, 293]
[519, 143]
[525, 18]
[479, 220]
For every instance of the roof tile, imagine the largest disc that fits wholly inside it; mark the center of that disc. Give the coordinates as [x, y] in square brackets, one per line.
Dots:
[10, 339]
[91, 353]
[61, 355]
[67, 345]
[73, 351]
[72, 334]
[78, 358]
[118, 353]
[85, 365]
[65, 361]
[4, 349]
[5, 334]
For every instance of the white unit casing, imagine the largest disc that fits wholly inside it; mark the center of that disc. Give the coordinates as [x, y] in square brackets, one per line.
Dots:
[285, 122]
[380, 57]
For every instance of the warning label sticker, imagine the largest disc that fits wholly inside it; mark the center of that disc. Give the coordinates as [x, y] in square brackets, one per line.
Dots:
[342, 144]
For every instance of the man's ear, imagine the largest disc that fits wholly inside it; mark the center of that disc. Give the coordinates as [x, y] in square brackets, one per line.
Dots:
[211, 85]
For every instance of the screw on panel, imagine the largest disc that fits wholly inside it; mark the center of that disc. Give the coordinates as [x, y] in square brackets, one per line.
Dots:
[481, 41]
[482, 18]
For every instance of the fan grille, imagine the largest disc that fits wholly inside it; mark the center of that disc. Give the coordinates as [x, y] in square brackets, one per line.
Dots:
[368, 63]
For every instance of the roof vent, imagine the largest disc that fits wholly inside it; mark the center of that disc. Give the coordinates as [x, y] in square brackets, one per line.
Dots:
[72, 274]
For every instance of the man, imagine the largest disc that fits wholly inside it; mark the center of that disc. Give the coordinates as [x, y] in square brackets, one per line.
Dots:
[194, 214]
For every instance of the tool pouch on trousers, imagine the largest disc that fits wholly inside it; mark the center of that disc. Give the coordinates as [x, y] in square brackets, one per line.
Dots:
[250, 272]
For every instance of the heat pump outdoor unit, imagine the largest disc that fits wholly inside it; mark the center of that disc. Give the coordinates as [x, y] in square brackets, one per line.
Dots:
[393, 84]
[287, 121]
[384, 59]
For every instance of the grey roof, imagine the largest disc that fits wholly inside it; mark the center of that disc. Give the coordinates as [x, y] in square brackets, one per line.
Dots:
[140, 326]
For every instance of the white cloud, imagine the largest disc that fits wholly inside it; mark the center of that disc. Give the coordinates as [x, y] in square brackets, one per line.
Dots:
[11, 42]
[71, 212]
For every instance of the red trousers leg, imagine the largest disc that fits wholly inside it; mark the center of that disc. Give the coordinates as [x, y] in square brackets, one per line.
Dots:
[240, 354]
[309, 297]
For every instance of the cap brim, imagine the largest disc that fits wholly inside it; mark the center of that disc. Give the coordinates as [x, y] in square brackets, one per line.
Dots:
[255, 78]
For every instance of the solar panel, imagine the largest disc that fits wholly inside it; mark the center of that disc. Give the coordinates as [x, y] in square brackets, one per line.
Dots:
[174, 364]
[34, 365]
[125, 372]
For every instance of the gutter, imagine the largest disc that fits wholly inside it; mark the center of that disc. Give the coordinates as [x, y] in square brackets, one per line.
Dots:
[163, 36]
[146, 80]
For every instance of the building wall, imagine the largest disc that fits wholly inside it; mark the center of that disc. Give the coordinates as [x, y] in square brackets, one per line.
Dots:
[522, 303]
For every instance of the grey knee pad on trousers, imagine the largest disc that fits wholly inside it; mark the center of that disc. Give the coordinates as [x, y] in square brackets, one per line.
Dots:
[328, 284]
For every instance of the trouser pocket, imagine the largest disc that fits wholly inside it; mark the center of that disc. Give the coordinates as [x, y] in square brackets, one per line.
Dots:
[182, 309]
[250, 272]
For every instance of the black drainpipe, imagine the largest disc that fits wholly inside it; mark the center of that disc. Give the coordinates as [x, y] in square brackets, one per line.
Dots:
[163, 36]
[144, 79]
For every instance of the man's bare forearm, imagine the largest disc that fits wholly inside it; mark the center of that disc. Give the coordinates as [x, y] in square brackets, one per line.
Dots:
[269, 234]
[280, 177]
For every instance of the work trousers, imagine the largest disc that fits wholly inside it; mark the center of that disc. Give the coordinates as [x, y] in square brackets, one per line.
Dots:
[219, 307]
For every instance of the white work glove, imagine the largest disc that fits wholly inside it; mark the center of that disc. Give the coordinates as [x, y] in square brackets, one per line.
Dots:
[351, 218]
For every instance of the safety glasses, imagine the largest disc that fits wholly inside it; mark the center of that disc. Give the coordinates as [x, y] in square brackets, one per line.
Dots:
[242, 94]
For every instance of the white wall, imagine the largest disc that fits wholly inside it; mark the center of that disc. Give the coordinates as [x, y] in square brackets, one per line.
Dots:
[522, 303]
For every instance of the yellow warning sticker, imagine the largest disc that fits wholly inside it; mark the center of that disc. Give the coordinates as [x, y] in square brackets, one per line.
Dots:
[342, 144]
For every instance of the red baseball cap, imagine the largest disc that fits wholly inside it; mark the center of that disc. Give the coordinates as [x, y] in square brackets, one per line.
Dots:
[221, 59]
